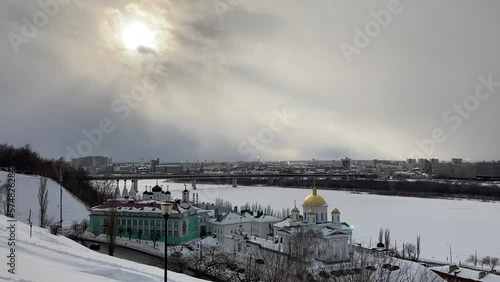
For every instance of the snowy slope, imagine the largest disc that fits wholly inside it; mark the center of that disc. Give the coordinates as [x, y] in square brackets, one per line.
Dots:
[27, 198]
[45, 257]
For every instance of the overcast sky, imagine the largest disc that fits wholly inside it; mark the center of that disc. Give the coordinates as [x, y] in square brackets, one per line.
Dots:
[240, 80]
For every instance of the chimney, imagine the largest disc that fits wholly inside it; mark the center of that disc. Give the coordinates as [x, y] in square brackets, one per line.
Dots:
[216, 213]
[235, 209]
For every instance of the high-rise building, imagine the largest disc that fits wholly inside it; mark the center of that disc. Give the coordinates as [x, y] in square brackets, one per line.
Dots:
[346, 164]
[92, 164]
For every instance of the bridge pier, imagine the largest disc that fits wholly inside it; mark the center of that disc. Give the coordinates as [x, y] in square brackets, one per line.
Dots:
[271, 180]
[193, 184]
[235, 182]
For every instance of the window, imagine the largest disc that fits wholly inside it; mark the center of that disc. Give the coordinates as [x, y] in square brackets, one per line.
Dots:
[140, 222]
[321, 216]
[129, 222]
[176, 233]
[134, 223]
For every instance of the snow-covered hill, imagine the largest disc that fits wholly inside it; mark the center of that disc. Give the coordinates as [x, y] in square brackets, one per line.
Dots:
[27, 198]
[46, 257]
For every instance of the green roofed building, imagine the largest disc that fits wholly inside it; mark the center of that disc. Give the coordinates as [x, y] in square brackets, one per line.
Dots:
[142, 219]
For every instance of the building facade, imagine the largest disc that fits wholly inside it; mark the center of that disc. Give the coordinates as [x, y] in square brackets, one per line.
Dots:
[143, 219]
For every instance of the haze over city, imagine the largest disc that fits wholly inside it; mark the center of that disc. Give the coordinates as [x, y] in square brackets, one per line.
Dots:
[220, 73]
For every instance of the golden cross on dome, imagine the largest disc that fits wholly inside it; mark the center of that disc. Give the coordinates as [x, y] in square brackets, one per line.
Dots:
[315, 191]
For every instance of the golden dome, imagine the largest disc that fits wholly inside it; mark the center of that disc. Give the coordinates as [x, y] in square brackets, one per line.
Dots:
[335, 210]
[311, 211]
[314, 200]
[295, 209]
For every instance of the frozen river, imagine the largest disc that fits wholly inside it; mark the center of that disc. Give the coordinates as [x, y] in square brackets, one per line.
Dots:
[466, 226]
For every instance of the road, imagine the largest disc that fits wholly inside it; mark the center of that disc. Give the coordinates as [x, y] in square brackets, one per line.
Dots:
[132, 255]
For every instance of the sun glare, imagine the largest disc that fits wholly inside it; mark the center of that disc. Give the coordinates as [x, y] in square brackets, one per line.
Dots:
[137, 34]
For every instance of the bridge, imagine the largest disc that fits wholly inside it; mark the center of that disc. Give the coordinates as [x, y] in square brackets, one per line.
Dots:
[135, 177]
[227, 176]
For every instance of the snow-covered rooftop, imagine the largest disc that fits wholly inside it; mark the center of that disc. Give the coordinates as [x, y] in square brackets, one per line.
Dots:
[231, 218]
[467, 273]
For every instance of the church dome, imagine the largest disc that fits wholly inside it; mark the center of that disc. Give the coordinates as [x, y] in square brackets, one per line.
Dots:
[314, 200]
[295, 209]
[156, 189]
[335, 210]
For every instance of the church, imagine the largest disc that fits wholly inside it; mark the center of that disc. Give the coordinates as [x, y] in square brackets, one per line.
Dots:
[315, 233]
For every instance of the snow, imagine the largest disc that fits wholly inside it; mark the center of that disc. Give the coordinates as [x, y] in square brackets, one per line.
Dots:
[27, 198]
[468, 273]
[46, 257]
[466, 225]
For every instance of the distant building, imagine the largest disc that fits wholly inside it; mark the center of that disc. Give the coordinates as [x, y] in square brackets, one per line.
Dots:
[154, 163]
[454, 171]
[93, 164]
[488, 170]
[346, 164]
[456, 161]
[434, 161]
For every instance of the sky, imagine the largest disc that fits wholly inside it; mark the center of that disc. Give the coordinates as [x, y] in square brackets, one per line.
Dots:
[246, 80]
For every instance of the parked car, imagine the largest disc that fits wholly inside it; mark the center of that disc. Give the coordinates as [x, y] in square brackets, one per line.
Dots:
[95, 246]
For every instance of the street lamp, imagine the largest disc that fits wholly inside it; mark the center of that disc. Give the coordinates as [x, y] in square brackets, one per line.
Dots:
[166, 209]
[451, 257]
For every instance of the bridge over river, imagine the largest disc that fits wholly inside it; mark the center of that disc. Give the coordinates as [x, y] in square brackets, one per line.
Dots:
[135, 177]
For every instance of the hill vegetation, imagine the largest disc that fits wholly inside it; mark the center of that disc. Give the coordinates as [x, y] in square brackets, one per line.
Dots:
[25, 160]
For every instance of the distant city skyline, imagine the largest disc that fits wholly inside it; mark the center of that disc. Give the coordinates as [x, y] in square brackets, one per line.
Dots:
[275, 80]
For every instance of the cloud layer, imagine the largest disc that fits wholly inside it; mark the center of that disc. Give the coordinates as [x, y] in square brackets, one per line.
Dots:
[231, 66]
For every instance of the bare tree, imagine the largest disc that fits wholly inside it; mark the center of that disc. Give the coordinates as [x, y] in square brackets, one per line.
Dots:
[4, 190]
[154, 235]
[410, 251]
[472, 259]
[387, 238]
[381, 235]
[43, 201]
[417, 253]
[120, 230]
[213, 262]
[129, 233]
[179, 261]
[84, 225]
[54, 227]
[75, 227]
[111, 229]
[492, 262]
[139, 234]
[106, 187]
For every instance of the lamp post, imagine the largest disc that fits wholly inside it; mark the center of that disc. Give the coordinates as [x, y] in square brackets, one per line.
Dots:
[451, 259]
[166, 209]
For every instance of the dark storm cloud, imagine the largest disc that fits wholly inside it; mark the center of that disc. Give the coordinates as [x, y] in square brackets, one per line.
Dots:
[231, 71]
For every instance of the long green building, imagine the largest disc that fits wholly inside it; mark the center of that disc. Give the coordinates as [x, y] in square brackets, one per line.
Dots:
[143, 219]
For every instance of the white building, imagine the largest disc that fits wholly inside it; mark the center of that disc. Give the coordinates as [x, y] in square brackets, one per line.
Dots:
[306, 235]
[228, 224]
[263, 226]
[328, 241]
